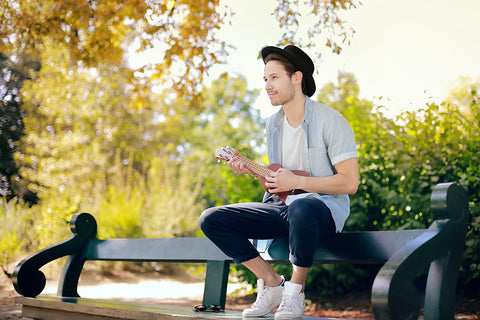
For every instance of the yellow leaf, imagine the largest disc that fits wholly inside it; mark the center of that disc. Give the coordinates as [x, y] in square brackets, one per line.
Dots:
[170, 4]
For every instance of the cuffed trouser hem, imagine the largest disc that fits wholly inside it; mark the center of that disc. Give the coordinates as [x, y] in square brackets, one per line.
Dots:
[297, 263]
[246, 257]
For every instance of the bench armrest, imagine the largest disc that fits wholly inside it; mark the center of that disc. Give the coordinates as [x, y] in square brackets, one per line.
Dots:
[28, 280]
[439, 249]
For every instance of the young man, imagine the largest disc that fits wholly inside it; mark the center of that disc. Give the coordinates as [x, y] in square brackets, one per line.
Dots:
[303, 135]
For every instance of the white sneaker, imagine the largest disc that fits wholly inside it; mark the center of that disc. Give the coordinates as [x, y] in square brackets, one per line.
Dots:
[268, 298]
[293, 302]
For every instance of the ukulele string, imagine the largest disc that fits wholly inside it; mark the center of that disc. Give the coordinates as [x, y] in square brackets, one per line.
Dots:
[256, 168]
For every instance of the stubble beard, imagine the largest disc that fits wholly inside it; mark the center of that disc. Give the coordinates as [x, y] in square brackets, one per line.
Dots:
[280, 101]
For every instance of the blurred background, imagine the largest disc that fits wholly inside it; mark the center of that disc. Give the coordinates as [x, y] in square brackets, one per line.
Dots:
[116, 108]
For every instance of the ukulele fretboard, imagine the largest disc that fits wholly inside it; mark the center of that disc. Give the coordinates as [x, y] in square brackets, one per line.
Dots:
[255, 167]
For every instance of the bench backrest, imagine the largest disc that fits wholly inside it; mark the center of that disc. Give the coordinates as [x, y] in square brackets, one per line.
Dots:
[159, 249]
[348, 247]
[367, 247]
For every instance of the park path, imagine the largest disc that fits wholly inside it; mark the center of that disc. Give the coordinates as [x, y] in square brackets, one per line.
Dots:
[162, 290]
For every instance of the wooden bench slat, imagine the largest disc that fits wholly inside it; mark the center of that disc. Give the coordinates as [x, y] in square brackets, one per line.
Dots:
[62, 308]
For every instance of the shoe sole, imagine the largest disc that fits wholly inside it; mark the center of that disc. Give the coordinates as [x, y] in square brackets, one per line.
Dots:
[263, 313]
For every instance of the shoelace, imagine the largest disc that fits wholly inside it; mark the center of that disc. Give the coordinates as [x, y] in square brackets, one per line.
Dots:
[260, 300]
[261, 292]
[288, 303]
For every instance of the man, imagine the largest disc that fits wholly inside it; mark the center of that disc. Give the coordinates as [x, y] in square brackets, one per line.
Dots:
[302, 135]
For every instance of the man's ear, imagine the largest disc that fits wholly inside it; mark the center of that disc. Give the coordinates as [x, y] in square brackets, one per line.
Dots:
[298, 77]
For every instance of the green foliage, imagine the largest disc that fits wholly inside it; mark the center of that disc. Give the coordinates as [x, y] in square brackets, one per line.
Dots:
[14, 226]
[227, 119]
[119, 213]
[142, 173]
[27, 228]
[174, 199]
[401, 159]
[339, 279]
[97, 139]
[151, 172]
[51, 217]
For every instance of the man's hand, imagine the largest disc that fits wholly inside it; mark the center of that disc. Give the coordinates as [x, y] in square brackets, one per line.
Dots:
[238, 165]
[282, 180]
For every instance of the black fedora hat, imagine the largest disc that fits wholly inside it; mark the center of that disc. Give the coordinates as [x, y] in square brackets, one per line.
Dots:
[301, 61]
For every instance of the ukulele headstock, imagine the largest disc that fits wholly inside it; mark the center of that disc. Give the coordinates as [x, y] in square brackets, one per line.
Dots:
[224, 153]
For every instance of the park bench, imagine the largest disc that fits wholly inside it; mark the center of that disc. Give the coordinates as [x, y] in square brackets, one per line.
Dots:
[402, 254]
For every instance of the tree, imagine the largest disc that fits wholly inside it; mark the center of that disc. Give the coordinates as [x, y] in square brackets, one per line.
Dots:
[375, 139]
[464, 94]
[13, 72]
[78, 123]
[325, 25]
[227, 119]
[88, 149]
[401, 160]
[98, 32]
[442, 144]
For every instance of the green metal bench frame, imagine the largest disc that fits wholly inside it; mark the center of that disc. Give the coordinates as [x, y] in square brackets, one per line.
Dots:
[403, 254]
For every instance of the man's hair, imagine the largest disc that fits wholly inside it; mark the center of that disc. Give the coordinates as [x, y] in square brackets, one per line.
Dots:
[288, 65]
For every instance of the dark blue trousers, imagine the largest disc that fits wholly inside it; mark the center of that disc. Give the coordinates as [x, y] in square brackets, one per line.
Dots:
[305, 222]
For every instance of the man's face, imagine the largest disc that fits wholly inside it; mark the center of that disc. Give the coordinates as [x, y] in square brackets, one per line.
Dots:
[278, 84]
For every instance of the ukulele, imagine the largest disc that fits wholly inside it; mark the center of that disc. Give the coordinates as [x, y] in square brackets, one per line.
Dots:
[227, 153]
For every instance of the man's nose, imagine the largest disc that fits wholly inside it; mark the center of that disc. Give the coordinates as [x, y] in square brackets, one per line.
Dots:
[268, 85]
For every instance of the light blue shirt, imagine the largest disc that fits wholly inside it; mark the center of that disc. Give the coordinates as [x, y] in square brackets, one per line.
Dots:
[330, 140]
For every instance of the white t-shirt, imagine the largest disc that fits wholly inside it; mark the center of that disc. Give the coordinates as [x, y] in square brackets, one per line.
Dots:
[292, 139]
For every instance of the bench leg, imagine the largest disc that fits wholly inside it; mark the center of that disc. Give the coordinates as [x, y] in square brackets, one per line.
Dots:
[441, 287]
[216, 280]
[68, 282]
